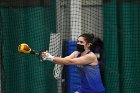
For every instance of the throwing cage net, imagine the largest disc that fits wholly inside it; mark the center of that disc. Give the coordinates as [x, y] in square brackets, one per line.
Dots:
[54, 25]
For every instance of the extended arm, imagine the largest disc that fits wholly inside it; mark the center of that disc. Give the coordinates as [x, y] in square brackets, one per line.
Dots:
[71, 60]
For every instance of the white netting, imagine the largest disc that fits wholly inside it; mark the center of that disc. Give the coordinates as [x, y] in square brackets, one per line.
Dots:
[55, 48]
[57, 72]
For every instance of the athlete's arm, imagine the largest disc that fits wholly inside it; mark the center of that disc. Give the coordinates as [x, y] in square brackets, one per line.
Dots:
[59, 60]
[71, 60]
[87, 59]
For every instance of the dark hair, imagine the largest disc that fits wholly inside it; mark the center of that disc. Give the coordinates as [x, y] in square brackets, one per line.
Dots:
[97, 43]
[98, 47]
[89, 38]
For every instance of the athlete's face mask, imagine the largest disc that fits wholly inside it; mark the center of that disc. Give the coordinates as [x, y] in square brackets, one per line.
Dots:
[80, 48]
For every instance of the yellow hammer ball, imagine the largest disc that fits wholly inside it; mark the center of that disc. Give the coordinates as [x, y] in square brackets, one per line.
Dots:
[24, 48]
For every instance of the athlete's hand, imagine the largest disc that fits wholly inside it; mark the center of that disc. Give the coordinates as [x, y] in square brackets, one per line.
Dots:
[47, 56]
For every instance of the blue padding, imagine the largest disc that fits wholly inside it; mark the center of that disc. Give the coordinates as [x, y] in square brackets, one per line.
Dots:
[70, 47]
[72, 73]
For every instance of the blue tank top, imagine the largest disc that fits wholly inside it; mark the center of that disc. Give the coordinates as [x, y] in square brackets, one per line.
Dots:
[90, 79]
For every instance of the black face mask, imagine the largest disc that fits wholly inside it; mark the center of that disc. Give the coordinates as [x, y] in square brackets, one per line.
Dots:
[80, 48]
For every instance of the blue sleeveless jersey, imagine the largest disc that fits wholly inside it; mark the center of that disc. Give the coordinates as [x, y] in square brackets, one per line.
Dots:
[90, 79]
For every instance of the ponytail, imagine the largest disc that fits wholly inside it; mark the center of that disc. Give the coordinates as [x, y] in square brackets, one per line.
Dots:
[97, 47]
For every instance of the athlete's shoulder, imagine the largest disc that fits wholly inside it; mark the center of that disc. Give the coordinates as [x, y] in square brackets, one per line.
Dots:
[91, 54]
[76, 53]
